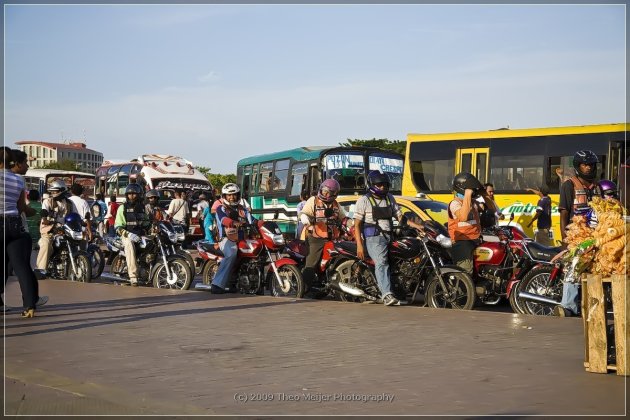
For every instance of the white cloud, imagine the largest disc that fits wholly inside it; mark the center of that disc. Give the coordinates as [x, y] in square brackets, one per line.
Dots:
[211, 76]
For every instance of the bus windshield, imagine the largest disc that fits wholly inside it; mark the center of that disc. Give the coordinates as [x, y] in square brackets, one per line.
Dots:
[347, 168]
[389, 164]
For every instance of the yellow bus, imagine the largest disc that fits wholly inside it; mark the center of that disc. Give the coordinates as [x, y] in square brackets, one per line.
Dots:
[514, 161]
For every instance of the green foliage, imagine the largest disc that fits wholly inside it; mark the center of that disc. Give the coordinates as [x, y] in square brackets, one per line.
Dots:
[217, 180]
[398, 146]
[64, 165]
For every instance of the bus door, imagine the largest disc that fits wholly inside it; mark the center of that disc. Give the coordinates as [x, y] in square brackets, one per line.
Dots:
[616, 158]
[474, 161]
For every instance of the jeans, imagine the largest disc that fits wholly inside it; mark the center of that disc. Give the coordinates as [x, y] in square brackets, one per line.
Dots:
[570, 297]
[377, 249]
[230, 252]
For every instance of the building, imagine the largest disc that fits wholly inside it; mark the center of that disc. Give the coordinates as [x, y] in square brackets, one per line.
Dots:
[44, 153]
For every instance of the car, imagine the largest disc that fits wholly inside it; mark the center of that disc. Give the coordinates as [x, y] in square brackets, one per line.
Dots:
[422, 207]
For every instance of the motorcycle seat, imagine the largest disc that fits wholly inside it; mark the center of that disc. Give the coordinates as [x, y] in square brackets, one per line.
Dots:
[211, 248]
[347, 246]
[542, 252]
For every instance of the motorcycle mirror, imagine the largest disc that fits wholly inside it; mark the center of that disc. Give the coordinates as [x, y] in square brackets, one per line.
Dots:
[511, 216]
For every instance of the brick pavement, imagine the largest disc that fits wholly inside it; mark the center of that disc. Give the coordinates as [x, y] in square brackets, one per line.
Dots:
[104, 349]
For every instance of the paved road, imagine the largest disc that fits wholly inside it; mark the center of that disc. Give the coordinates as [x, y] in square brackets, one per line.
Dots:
[105, 349]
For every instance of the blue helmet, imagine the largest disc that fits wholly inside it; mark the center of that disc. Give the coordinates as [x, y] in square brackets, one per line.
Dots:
[74, 222]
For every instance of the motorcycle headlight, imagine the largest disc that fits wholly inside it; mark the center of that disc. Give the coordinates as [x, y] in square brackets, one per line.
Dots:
[181, 236]
[172, 236]
[76, 235]
[278, 240]
[444, 241]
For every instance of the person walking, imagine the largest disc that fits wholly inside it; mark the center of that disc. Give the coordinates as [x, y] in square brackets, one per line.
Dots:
[17, 244]
[179, 211]
[110, 217]
[543, 217]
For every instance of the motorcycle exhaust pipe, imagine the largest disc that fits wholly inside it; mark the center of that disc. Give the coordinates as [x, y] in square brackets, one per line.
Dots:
[201, 286]
[537, 298]
[113, 277]
[346, 288]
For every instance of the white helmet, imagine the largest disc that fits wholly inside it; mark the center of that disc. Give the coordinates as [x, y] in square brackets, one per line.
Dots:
[57, 188]
[231, 188]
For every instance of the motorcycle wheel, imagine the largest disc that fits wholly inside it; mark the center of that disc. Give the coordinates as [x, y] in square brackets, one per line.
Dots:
[366, 281]
[516, 303]
[97, 259]
[119, 267]
[189, 260]
[210, 269]
[459, 294]
[537, 281]
[293, 282]
[83, 269]
[181, 277]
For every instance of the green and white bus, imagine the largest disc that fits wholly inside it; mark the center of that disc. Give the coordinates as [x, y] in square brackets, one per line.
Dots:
[272, 183]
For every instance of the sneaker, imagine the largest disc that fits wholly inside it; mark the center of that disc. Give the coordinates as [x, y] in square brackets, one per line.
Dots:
[216, 290]
[390, 300]
[561, 311]
[41, 301]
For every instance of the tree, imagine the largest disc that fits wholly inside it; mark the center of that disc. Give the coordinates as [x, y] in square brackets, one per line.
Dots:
[398, 146]
[217, 180]
[64, 164]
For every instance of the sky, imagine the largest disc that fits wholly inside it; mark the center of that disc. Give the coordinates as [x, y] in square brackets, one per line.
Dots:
[218, 83]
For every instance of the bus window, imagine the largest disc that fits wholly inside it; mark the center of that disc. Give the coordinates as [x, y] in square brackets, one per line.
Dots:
[254, 187]
[298, 178]
[265, 179]
[516, 172]
[246, 180]
[346, 168]
[433, 175]
[123, 178]
[280, 175]
[314, 178]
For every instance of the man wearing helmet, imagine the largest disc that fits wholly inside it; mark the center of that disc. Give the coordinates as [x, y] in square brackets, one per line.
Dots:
[231, 215]
[132, 221]
[577, 192]
[464, 225]
[54, 209]
[321, 217]
[575, 195]
[152, 208]
[373, 221]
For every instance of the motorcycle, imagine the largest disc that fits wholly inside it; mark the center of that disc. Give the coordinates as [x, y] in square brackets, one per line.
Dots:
[541, 289]
[418, 264]
[259, 263]
[177, 248]
[156, 266]
[97, 258]
[502, 260]
[68, 261]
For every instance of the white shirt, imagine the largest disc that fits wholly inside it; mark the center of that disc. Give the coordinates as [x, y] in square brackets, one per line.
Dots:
[80, 206]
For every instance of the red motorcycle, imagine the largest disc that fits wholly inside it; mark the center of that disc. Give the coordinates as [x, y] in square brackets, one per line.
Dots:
[502, 260]
[259, 263]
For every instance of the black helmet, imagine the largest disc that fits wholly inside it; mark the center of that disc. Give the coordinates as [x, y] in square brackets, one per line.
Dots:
[378, 177]
[133, 189]
[152, 193]
[466, 181]
[589, 158]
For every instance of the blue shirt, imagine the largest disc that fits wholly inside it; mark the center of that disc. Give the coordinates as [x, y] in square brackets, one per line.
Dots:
[11, 186]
